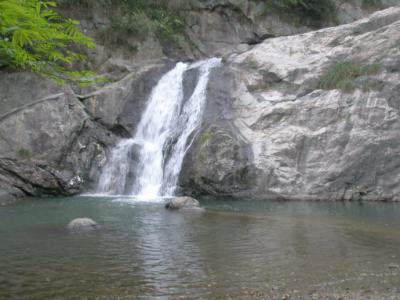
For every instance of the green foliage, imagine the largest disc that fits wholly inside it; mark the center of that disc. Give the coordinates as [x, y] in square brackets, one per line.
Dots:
[139, 17]
[168, 26]
[24, 153]
[124, 25]
[252, 63]
[341, 76]
[35, 37]
[205, 137]
[372, 3]
[308, 12]
[136, 22]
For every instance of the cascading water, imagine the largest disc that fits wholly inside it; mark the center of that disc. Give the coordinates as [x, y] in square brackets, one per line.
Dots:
[163, 136]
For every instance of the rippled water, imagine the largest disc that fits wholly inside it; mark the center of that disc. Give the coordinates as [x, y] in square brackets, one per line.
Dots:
[236, 249]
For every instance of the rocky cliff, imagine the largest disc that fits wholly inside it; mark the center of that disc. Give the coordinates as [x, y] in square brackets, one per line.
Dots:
[212, 28]
[49, 144]
[271, 129]
[54, 141]
[310, 116]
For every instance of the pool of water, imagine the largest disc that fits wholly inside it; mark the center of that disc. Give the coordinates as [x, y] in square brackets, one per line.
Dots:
[233, 250]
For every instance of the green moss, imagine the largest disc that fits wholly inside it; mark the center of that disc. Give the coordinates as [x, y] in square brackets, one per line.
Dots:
[251, 63]
[24, 153]
[204, 149]
[205, 137]
[341, 76]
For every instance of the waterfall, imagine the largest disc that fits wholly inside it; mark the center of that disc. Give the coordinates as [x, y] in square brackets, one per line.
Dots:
[153, 158]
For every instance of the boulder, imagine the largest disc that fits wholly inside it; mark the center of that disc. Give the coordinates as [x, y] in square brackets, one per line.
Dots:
[182, 202]
[83, 224]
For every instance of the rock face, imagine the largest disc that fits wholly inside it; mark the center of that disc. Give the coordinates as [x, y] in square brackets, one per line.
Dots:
[55, 142]
[118, 106]
[216, 27]
[83, 224]
[269, 131]
[212, 28]
[273, 133]
[182, 202]
[49, 145]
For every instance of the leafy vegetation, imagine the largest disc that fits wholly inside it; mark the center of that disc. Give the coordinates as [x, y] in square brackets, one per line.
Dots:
[33, 36]
[252, 63]
[205, 137]
[139, 17]
[371, 3]
[24, 153]
[308, 12]
[341, 76]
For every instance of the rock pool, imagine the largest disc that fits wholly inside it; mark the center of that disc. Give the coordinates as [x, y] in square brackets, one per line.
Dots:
[233, 250]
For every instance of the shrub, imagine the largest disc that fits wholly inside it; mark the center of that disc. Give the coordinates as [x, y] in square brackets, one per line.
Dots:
[35, 37]
[24, 153]
[308, 12]
[251, 63]
[205, 137]
[341, 76]
[133, 23]
[139, 17]
[372, 3]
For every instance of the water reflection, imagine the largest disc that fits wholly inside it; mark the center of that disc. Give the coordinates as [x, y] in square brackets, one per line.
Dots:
[243, 251]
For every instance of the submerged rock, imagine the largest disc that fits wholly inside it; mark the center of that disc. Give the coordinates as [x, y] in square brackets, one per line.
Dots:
[83, 224]
[182, 202]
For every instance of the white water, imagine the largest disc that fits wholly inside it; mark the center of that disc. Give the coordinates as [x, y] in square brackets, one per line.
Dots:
[167, 126]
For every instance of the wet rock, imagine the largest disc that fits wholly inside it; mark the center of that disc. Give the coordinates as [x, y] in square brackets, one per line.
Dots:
[393, 267]
[83, 224]
[8, 193]
[128, 95]
[182, 202]
[49, 145]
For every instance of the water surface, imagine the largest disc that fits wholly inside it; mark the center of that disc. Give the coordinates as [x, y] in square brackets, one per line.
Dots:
[236, 249]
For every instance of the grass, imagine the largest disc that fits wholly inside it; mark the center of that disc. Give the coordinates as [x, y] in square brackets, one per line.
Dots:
[205, 137]
[341, 76]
